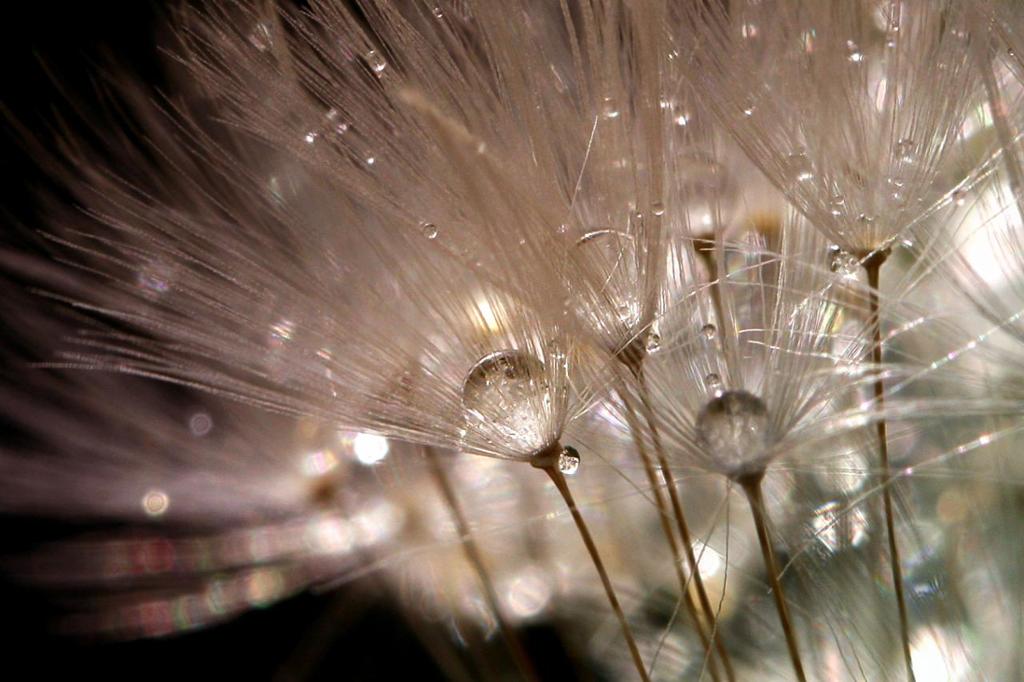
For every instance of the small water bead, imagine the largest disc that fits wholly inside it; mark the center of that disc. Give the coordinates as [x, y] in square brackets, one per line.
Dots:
[905, 150]
[658, 208]
[504, 397]
[709, 331]
[376, 62]
[735, 431]
[800, 167]
[609, 108]
[437, 12]
[713, 383]
[959, 197]
[261, 37]
[843, 263]
[429, 230]
[653, 344]
[569, 461]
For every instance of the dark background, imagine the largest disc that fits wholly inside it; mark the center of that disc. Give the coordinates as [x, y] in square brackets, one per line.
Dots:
[49, 57]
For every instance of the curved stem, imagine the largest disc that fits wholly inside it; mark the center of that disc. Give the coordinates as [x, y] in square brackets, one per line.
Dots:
[666, 528]
[872, 265]
[559, 480]
[752, 487]
[684, 528]
[475, 558]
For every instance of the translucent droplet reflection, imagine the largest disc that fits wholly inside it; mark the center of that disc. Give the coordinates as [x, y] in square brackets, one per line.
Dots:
[506, 398]
[610, 255]
[569, 461]
[734, 430]
[843, 263]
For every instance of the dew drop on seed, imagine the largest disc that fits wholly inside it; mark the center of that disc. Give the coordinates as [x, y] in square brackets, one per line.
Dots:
[569, 461]
[658, 208]
[610, 109]
[734, 429]
[437, 12]
[843, 263]
[653, 344]
[713, 383]
[261, 38]
[800, 167]
[959, 197]
[376, 62]
[709, 330]
[429, 230]
[504, 398]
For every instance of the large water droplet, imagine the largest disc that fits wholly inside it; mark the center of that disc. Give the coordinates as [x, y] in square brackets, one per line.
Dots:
[713, 382]
[569, 461]
[504, 397]
[610, 256]
[843, 263]
[709, 330]
[734, 429]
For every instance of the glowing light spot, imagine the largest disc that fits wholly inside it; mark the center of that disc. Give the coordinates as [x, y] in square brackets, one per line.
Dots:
[935, 657]
[319, 463]
[200, 424]
[528, 593]
[155, 503]
[370, 448]
[709, 562]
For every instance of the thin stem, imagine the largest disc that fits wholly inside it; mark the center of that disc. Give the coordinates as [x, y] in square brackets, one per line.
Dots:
[666, 527]
[681, 523]
[559, 480]
[475, 558]
[752, 487]
[872, 265]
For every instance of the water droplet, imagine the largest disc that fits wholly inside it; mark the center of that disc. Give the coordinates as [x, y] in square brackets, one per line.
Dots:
[856, 57]
[609, 108]
[709, 330]
[800, 167]
[713, 383]
[905, 150]
[682, 119]
[611, 256]
[429, 230]
[658, 208]
[437, 12]
[959, 197]
[653, 344]
[569, 461]
[376, 62]
[843, 263]
[503, 398]
[261, 37]
[370, 160]
[735, 430]
[311, 136]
